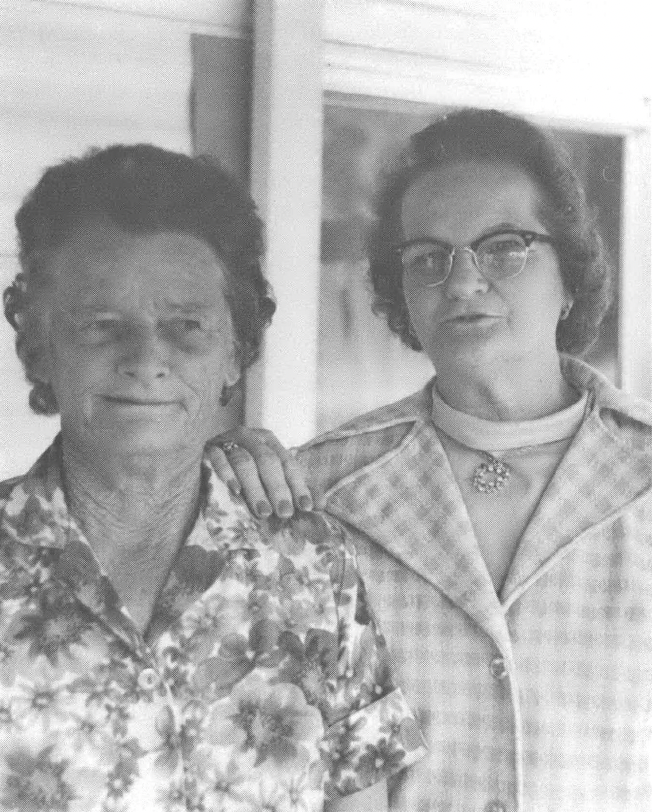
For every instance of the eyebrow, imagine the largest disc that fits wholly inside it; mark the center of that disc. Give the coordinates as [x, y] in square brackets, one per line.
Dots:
[189, 307]
[175, 307]
[499, 228]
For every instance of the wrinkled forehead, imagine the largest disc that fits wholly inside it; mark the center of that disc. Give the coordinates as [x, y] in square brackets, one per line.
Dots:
[471, 196]
[100, 260]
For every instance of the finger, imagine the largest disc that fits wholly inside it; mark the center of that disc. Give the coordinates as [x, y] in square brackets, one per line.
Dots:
[296, 480]
[292, 484]
[246, 468]
[281, 476]
[272, 470]
[255, 440]
[223, 469]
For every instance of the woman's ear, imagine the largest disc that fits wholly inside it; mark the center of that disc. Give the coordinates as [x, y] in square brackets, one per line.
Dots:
[233, 367]
[232, 373]
[566, 309]
[38, 348]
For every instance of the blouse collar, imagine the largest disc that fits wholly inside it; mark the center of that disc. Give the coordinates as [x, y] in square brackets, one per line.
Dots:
[36, 513]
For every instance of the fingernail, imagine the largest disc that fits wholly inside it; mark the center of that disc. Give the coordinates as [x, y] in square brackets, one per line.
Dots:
[234, 487]
[284, 509]
[305, 503]
[263, 508]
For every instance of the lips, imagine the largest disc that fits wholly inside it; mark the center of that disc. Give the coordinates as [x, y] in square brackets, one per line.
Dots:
[132, 401]
[469, 317]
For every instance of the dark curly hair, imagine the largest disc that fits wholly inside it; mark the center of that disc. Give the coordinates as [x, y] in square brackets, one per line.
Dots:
[493, 137]
[144, 190]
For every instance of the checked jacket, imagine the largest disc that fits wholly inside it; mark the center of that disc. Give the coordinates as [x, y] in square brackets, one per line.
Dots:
[538, 698]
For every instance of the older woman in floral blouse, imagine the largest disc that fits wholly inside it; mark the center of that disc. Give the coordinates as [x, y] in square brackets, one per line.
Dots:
[160, 648]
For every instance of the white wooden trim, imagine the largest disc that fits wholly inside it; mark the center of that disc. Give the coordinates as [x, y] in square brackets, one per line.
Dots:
[226, 18]
[606, 44]
[635, 345]
[411, 77]
[286, 183]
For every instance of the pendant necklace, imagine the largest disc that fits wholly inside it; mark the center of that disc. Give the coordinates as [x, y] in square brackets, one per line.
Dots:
[492, 474]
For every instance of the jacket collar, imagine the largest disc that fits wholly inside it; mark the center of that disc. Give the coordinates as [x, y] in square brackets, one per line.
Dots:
[607, 467]
[408, 502]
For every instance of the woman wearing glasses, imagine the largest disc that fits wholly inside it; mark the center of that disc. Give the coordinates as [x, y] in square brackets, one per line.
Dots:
[502, 515]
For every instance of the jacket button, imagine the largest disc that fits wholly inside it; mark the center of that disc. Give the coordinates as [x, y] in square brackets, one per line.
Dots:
[498, 671]
[495, 806]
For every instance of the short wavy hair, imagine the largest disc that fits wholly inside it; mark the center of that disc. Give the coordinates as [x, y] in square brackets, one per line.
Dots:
[489, 136]
[143, 190]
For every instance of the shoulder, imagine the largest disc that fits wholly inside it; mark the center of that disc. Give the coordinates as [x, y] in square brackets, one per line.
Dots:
[7, 486]
[338, 453]
[627, 417]
[312, 538]
[7, 490]
[413, 407]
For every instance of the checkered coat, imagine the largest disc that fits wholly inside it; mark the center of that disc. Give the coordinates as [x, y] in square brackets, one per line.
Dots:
[539, 698]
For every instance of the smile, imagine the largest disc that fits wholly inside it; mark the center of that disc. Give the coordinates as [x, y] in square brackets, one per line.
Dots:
[469, 318]
[120, 401]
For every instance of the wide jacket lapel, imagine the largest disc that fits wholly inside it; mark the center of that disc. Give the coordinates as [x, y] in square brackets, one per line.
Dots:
[408, 502]
[598, 477]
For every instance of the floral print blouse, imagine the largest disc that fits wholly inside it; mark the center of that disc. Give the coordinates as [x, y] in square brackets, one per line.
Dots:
[262, 683]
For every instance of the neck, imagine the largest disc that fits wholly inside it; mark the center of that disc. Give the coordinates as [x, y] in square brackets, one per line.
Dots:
[127, 506]
[508, 393]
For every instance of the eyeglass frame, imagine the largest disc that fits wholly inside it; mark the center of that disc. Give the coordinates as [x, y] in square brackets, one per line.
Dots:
[528, 236]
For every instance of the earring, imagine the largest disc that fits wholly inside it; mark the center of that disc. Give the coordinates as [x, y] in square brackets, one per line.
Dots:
[566, 309]
[226, 395]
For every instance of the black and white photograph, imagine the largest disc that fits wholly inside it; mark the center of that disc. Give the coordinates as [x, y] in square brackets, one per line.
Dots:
[326, 415]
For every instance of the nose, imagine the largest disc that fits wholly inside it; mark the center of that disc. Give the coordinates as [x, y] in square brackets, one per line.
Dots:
[144, 356]
[465, 279]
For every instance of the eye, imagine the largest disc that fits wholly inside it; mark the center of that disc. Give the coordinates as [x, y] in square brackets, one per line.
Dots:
[502, 256]
[502, 245]
[100, 328]
[186, 325]
[425, 263]
[185, 328]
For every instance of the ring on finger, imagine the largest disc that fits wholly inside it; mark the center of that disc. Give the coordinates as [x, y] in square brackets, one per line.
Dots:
[229, 446]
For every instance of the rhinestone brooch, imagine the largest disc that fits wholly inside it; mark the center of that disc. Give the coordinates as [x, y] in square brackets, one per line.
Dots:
[491, 476]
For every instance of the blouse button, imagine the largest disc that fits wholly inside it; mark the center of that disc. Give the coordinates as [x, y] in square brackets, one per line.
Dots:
[495, 806]
[148, 679]
[498, 671]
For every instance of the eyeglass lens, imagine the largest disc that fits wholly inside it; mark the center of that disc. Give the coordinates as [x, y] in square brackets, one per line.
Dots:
[500, 256]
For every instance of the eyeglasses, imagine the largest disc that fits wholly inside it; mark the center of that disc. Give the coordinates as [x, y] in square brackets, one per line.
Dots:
[498, 256]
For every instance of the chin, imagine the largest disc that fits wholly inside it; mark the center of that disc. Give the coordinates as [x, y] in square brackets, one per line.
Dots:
[466, 355]
[146, 442]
